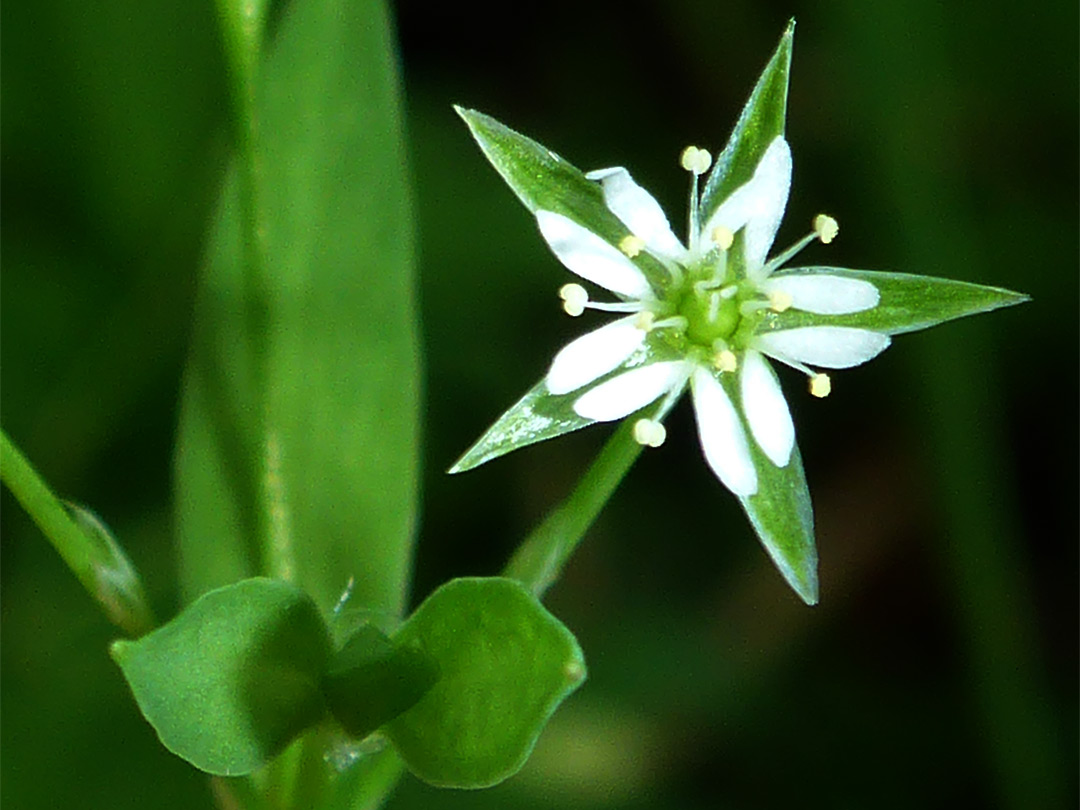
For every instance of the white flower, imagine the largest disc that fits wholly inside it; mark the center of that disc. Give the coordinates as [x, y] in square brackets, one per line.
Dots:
[708, 323]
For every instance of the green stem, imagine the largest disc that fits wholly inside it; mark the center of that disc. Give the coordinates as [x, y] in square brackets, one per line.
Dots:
[368, 783]
[242, 26]
[540, 558]
[82, 541]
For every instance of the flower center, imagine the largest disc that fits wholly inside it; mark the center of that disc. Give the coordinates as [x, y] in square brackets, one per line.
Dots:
[712, 313]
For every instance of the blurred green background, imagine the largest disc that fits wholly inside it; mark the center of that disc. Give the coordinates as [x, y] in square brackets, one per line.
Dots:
[940, 668]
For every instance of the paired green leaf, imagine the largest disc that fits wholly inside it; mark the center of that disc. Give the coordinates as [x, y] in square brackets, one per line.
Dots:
[232, 679]
[780, 511]
[304, 462]
[761, 121]
[505, 664]
[373, 679]
[908, 302]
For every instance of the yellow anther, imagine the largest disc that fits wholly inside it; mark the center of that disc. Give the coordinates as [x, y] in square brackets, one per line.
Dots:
[725, 360]
[826, 228]
[631, 245]
[644, 320]
[574, 298]
[820, 385]
[722, 236]
[695, 160]
[649, 432]
[780, 301]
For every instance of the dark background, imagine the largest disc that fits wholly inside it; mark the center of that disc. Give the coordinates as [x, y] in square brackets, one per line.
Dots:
[940, 668]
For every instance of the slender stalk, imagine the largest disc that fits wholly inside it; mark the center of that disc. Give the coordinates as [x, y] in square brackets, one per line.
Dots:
[83, 543]
[540, 558]
[242, 26]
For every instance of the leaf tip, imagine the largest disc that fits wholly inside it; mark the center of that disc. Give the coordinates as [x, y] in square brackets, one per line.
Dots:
[118, 651]
[804, 582]
[574, 671]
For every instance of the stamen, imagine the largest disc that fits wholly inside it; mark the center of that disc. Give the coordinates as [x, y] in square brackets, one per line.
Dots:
[820, 385]
[826, 228]
[649, 433]
[575, 299]
[787, 255]
[631, 245]
[676, 322]
[695, 160]
[722, 236]
[645, 321]
[729, 291]
[779, 301]
[725, 360]
[747, 308]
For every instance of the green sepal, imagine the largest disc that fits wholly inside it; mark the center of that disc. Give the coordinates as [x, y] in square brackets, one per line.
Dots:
[780, 511]
[505, 665]
[372, 680]
[234, 678]
[908, 302]
[537, 416]
[761, 121]
[542, 180]
[541, 415]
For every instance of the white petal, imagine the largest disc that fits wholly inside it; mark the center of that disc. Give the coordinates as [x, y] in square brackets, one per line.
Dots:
[722, 437]
[758, 204]
[825, 346]
[593, 355]
[622, 395]
[766, 409]
[825, 294]
[586, 254]
[639, 212]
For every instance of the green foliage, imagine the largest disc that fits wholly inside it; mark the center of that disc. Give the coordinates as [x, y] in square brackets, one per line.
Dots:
[908, 302]
[505, 665]
[300, 404]
[373, 679]
[231, 680]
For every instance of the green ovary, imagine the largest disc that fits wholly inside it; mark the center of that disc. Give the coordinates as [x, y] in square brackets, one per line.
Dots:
[709, 316]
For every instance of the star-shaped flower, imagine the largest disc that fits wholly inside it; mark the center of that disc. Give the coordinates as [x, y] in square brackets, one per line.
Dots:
[711, 311]
[706, 314]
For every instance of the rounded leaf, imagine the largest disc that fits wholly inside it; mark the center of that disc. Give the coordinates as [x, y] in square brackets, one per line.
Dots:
[234, 678]
[505, 664]
[372, 680]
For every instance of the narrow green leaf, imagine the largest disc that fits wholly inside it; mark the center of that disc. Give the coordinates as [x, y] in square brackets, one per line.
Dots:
[83, 541]
[908, 302]
[232, 679]
[780, 511]
[372, 680]
[763, 118]
[330, 425]
[505, 664]
[544, 181]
